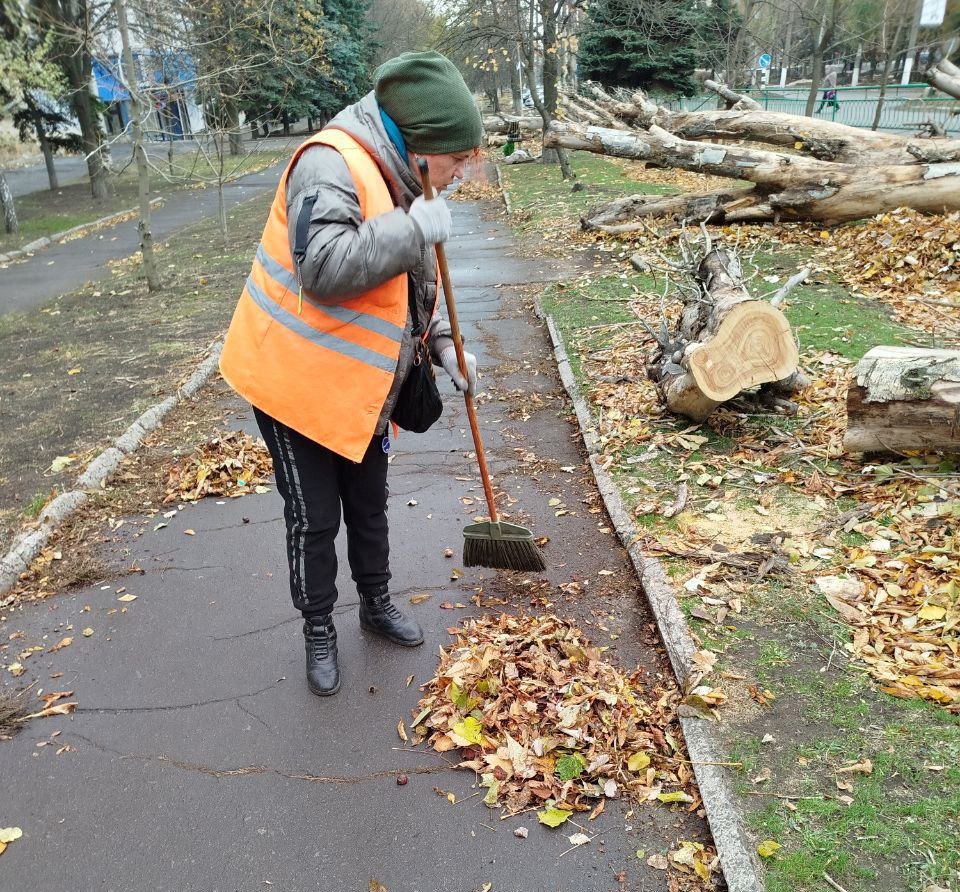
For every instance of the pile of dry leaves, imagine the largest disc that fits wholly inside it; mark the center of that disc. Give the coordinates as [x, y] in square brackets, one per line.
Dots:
[547, 722]
[230, 464]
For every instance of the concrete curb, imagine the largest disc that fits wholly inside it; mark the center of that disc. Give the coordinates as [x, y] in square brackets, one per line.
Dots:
[503, 191]
[41, 243]
[739, 865]
[27, 545]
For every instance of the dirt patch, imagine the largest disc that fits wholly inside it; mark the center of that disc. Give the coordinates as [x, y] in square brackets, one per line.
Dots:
[76, 555]
[80, 369]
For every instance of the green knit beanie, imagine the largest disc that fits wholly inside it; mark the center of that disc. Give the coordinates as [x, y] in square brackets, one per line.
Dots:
[430, 103]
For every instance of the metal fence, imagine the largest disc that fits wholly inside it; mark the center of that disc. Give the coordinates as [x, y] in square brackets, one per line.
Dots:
[904, 107]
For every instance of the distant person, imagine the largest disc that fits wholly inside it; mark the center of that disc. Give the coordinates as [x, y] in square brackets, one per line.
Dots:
[338, 309]
[829, 93]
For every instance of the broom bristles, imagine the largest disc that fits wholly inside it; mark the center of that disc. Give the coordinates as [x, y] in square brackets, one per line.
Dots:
[503, 554]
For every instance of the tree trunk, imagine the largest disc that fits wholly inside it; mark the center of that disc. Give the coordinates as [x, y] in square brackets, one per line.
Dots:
[45, 146]
[617, 217]
[10, 224]
[904, 398]
[817, 74]
[79, 68]
[143, 170]
[516, 86]
[726, 342]
[887, 64]
[945, 77]
[818, 138]
[234, 134]
[790, 187]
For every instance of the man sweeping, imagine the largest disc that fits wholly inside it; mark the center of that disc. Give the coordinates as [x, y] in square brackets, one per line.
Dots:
[338, 313]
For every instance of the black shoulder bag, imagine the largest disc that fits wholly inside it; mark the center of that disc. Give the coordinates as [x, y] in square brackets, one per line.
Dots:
[418, 404]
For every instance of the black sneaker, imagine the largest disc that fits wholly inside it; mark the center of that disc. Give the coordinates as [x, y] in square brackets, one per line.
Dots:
[378, 614]
[323, 672]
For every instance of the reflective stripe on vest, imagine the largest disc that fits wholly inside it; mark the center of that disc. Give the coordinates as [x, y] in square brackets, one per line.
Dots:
[286, 279]
[316, 336]
[323, 369]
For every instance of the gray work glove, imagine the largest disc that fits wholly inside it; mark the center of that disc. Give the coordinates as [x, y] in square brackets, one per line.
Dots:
[448, 359]
[432, 219]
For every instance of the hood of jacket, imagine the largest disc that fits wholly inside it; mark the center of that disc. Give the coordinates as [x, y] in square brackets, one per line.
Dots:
[362, 120]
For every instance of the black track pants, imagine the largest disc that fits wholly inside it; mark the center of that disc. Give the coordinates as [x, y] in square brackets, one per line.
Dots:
[314, 483]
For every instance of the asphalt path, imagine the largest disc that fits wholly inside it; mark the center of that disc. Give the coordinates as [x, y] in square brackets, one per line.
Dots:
[62, 268]
[198, 760]
[73, 168]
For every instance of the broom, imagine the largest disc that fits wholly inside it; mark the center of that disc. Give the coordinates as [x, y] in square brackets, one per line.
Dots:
[493, 543]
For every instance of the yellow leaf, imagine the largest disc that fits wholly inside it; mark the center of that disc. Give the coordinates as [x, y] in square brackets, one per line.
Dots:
[127, 598]
[16, 669]
[768, 848]
[401, 730]
[824, 234]
[932, 612]
[470, 730]
[9, 834]
[798, 144]
[638, 762]
[87, 632]
[552, 817]
[75, 371]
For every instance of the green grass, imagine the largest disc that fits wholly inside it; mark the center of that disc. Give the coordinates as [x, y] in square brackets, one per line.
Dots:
[33, 508]
[825, 315]
[901, 830]
[539, 194]
[48, 212]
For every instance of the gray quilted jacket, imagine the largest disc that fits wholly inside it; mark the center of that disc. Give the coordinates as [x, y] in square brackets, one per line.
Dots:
[347, 255]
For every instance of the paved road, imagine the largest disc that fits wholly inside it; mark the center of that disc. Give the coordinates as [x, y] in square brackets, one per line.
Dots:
[62, 268]
[199, 760]
[72, 168]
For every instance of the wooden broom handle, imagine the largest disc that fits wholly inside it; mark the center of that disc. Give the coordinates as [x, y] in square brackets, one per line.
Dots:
[458, 346]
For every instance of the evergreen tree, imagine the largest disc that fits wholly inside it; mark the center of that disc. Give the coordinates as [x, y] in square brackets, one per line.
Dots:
[653, 45]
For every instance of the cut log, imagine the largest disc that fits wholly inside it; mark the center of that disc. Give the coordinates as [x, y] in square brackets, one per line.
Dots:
[945, 77]
[790, 187]
[904, 398]
[726, 342]
[616, 216]
[733, 100]
[826, 140]
[505, 123]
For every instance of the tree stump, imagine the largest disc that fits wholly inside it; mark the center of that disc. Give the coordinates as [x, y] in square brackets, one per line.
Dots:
[726, 342]
[904, 398]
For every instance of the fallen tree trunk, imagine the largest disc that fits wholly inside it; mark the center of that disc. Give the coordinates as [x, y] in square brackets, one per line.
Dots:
[826, 140]
[505, 123]
[904, 398]
[619, 217]
[726, 342]
[789, 187]
[733, 100]
[945, 77]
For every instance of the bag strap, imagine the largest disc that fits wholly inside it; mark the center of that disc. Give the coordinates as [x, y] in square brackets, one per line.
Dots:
[303, 228]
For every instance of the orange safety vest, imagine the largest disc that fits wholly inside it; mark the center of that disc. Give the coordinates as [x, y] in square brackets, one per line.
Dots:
[323, 369]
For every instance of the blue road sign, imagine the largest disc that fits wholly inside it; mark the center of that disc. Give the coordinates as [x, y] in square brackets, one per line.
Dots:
[764, 61]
